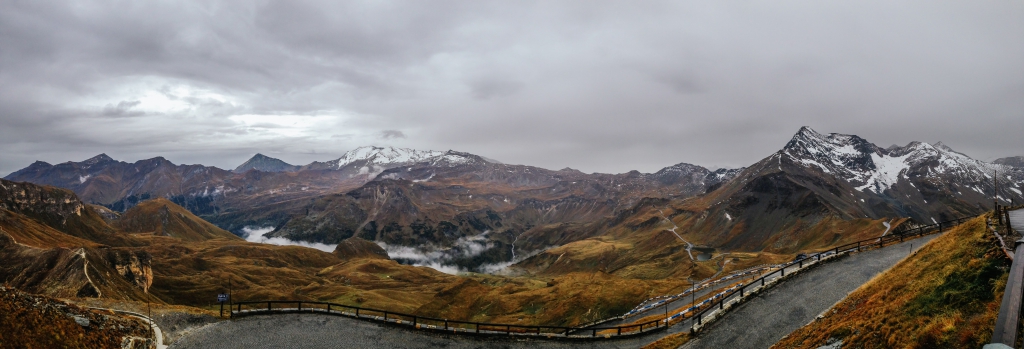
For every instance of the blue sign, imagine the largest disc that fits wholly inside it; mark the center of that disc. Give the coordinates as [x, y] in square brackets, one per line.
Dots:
[222, 298]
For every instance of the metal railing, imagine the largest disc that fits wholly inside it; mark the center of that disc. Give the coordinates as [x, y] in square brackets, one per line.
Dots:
[442, 325]
[1008, 321]
[900, 234]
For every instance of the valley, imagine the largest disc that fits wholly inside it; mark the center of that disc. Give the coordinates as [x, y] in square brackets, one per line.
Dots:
[452, 235]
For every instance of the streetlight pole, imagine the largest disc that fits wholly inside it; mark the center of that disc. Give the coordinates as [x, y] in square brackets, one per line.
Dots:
[693, 292]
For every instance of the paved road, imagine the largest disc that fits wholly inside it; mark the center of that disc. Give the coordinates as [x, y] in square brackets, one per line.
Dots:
[1017, 220]
[673, 307]
[326, 331]
[766, 318]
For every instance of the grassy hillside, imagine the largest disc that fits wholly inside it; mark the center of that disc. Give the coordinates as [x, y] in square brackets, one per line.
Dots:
[32, 321]
[163, 217]
[946, 295]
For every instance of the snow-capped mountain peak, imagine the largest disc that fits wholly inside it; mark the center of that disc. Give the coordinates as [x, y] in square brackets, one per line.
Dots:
[870, 168]
[385, 156]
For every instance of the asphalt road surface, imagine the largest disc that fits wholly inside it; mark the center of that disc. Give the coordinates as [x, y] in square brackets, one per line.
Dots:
[769, 316]
[327, 331]
[1017, 220]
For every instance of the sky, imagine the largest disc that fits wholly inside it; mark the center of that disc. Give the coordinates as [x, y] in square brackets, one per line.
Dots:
[598, 86]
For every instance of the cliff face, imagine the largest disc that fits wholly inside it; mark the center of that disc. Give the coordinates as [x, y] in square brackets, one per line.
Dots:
[134, 266]
[59, 209]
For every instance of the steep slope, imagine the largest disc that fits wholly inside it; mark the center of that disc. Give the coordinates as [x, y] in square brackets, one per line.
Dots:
[203, 190]
[260, 162]
[1013, 161]
[33, 321]
[115, 273]
[816, 178]
[162, 217]
[59, 209]
[946, 295]
[817, 191]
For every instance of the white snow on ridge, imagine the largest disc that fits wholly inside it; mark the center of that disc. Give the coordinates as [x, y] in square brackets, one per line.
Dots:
[384, 156]
[887, 172]
[82, 179]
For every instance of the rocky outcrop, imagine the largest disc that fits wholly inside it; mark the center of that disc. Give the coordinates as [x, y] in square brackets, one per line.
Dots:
[59, 209]
[134, 266]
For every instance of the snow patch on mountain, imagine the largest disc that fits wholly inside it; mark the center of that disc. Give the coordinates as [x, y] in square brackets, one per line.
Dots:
[887, 172]
[871, 168]
[385, 155]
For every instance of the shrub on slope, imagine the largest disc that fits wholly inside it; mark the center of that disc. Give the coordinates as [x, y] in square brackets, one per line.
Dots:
[946, 295]
[32, 321]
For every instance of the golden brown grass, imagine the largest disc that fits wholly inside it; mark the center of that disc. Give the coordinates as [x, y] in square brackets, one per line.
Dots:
[671, 341]
[32, 321]
[163, 217]
[946, 295]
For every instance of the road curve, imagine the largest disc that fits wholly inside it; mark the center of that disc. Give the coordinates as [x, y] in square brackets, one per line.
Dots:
[327, 331]
[769, 316]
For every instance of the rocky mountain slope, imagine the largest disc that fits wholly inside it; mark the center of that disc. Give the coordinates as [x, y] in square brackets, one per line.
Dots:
[817, 191]
[1014, 161]
[265, 163]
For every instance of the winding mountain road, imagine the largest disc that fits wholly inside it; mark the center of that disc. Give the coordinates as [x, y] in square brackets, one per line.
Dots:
[769, 316]
[758, 323]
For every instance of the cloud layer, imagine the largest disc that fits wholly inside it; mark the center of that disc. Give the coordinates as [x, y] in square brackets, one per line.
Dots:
[598, 86]
[256, 234]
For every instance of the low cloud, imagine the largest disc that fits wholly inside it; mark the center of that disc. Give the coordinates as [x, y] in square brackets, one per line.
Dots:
[256, 234]
[391, 134]
[443, 258]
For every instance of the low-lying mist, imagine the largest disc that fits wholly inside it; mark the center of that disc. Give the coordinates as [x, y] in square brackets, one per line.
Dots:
[475, 253]
[256, 234]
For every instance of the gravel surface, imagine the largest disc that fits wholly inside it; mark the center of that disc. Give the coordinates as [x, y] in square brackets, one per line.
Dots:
[769, 316]
[1017, 220]
[327, 331]
[177, 324]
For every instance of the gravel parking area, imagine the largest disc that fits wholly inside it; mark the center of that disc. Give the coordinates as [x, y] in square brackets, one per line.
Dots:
[769, 316]
[326, 331]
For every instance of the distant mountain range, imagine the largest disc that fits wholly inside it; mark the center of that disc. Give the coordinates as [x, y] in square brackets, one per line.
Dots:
[471, 211]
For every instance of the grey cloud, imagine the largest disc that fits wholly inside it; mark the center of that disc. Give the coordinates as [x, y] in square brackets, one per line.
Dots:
[600, 86]
[122, 109]
[391, 134]
[488, 88]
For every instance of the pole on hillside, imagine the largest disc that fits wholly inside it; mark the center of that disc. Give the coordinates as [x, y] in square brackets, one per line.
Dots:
[995, 190]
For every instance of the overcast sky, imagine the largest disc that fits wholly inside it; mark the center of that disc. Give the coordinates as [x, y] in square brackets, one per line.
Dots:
[596, 86]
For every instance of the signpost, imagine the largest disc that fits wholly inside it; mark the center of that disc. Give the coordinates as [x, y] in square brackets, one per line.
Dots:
[221, 298]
